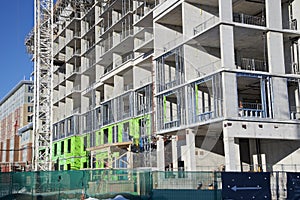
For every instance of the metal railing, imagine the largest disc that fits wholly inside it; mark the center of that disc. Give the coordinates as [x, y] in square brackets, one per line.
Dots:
[251, 110]
[204, 69]
[295, 68]
[293, 24]
[249, 19]
[145, 81]
[206, 24]
[172, 43]
[253, 64]
[170, 84]
[295, 112]
[204, 116]
[171, 124]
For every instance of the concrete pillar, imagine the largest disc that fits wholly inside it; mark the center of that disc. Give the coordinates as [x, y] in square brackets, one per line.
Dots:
[225, 10]
[119, 85]
[252, 152]
[227, 47]
[160, 154]
[280, 98]
[230, 95]
[117, 60]
[274, 14]
[190, 150]
[231, 150]
[174, 153]
[130, 159]
[275, 52]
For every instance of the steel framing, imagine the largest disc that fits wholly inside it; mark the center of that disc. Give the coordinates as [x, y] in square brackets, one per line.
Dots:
[43, 66]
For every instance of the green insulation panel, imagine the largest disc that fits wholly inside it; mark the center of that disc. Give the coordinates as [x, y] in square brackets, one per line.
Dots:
[134, 130]
[70, 153]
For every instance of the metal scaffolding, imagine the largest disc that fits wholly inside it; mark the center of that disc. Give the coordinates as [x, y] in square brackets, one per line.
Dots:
[43, 66]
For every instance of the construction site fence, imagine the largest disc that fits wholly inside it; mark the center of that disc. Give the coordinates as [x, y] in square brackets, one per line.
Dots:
[131, 184]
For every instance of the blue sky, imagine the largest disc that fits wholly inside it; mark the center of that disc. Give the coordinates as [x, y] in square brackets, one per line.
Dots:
[16, 22]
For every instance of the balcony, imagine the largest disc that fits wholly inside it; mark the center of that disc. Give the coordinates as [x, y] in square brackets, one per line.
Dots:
[249, 19]
[253, 65]
[124, 60]
[251, 110]
[171, 124]
[75, 89]
[76, 111]
[206, 24]
[72, 74]
[293, 24]
[295, 68]
[173, 43]
[295, 112]
[204, 116]
[111, 42]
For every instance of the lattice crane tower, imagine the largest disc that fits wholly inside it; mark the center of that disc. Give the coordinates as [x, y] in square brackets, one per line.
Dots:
[43, 66]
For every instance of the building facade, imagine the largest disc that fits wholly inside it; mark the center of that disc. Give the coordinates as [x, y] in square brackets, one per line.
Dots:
[176, 84]
[16, 111]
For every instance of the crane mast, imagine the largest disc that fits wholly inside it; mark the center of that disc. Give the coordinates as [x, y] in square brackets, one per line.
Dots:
[43, 66]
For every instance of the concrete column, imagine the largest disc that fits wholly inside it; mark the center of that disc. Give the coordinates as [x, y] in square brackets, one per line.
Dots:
[130, 159]
[119, 84]
[231, 150]
[227, 46]
[190, 150]
[160, 154]
[174, 153]
[230, 95]
[274, 14]
[252, 151]
[280, 98]
[275, 52]
[225, 10]
[117, 60]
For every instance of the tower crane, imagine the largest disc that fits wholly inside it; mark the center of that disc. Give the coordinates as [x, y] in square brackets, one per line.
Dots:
[43, 66]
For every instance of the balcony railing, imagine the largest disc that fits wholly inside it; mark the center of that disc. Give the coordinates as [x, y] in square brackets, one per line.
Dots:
[108, 69]
[172, 43]
[128, 87]
[253, 64]
[170, 84]
[171, 124]
[204, 116]
[249, 19]
[204, 69]
[295, 112]
[293, 24]
[251, 110]
[76, 111]
[76, 88]
[74, 71]
[145, 81]
[206, 24]
[124, 59]
[295, 68]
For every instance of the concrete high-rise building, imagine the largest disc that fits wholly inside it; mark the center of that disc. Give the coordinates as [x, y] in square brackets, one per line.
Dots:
[181, 84]
[15, 139]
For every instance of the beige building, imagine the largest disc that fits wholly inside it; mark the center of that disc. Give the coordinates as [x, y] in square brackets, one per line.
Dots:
[16, 112]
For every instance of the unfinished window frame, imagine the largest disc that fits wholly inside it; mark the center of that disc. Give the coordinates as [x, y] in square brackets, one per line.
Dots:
[247, 108]
[179, 72]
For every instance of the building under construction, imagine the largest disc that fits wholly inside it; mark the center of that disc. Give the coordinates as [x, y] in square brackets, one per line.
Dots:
[176, 85]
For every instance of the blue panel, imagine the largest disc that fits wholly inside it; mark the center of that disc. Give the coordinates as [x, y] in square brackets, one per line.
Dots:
[248, 185]
[293, 185]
